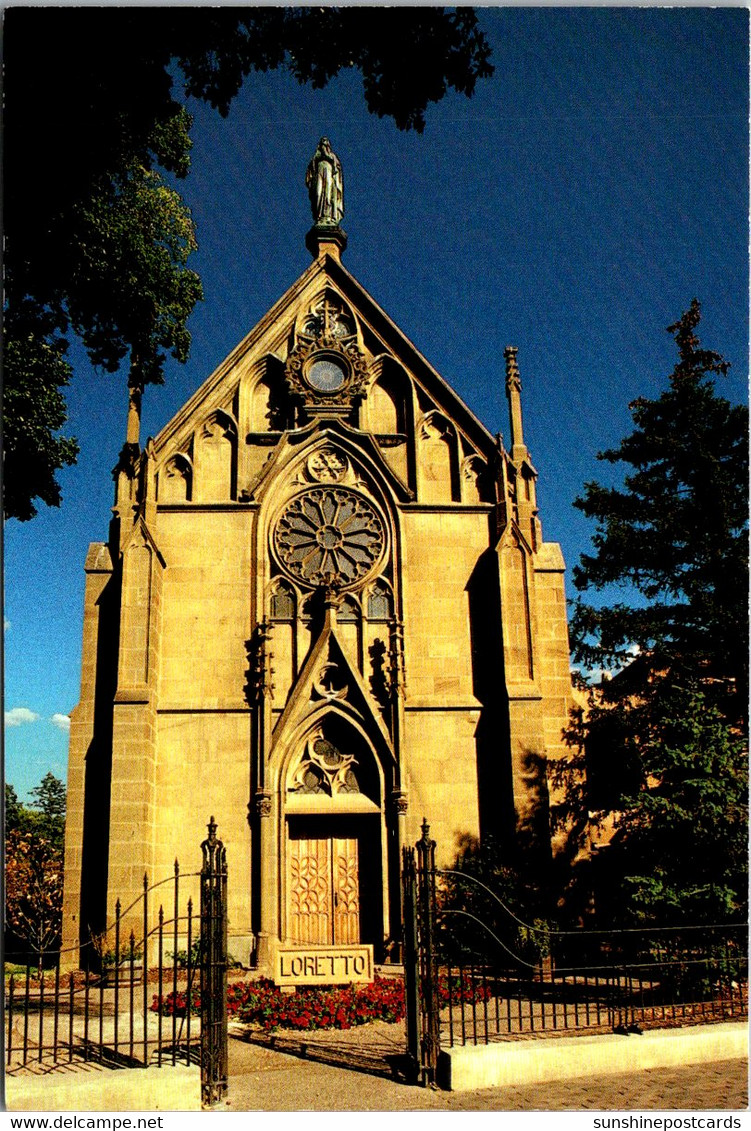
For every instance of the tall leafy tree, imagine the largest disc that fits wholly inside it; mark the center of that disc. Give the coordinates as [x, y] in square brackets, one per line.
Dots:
[44, 816]
[49, 798]
[97, 238]
[13, 809]
[34, 837]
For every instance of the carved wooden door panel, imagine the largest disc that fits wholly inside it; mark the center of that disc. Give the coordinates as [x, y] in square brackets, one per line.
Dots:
[310, 894]
[324, 891]
[346, 883]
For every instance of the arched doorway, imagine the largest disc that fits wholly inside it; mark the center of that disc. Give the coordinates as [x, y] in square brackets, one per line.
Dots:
[335, 875]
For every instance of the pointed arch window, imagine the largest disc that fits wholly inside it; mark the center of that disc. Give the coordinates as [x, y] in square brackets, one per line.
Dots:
[307, 610]
[348, 611]
[176, 480]
[380, 602]
[439, 481]
[283, 602]
[216, 458]
[476, 485]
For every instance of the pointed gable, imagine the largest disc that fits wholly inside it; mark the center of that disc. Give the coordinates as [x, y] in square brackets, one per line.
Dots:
[216, 447]
[330, 677]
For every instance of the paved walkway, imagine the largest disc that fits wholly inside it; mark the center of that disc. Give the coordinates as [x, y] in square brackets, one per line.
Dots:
[289, 1074]
[361, 1070]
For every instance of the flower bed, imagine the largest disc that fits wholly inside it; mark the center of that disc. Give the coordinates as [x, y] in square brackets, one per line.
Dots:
[465, 989]
[319, 1007]
[262, 1003]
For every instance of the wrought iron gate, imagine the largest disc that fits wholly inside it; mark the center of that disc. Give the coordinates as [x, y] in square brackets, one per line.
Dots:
[509, 978]
[133, 1001]
[420, 958]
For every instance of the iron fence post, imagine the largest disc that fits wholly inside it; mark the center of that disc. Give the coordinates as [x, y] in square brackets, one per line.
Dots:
[411, 962]
[213, 969]
[431, 1039]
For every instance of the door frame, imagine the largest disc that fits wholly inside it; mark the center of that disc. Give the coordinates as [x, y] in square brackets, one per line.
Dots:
[374, 808]
[368, 830]
[333, 839]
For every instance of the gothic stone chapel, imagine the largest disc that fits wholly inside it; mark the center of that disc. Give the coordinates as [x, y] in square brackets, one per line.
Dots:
[325, 611]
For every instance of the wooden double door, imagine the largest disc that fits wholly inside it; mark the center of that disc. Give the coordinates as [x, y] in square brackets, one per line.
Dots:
[327, 866]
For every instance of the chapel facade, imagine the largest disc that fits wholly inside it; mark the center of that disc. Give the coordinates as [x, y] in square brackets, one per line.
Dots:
[324, 612]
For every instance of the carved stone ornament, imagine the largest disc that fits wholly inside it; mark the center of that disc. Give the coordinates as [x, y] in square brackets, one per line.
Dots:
[327, 370]
[260, 670]
[324, 769]
[513, 379]
[327, 316]
[400, 802]
[327, 373]
[327, 466]
[396, 675]
[326, 681]
[329, 536]
[263, 804]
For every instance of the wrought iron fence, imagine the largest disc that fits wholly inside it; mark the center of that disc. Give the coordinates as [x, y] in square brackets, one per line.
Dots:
[471, 982]
[697, 974]
[150, 990]
[109, 1009]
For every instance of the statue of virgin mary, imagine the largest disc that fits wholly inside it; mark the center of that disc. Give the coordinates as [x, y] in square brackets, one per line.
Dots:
[324, 181]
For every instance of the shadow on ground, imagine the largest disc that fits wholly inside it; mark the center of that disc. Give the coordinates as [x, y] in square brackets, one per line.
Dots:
[373, 1054]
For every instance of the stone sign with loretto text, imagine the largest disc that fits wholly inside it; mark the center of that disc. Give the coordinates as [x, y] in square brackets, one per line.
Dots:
[323, 965]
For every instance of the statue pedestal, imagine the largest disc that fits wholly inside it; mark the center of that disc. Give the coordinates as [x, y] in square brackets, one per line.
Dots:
[326, 239]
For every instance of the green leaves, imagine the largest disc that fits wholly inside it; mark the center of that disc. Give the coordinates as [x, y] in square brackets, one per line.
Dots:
[48, 809]
[34, 374]
[100, 248]
[45, 817]
[680, 851]
[408, 58]
[130, 291]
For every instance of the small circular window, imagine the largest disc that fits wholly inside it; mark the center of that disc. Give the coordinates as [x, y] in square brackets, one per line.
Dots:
[327, 375]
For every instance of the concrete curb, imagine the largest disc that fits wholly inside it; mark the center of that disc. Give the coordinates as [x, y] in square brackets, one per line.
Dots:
[568, 1058]
[124, 1089]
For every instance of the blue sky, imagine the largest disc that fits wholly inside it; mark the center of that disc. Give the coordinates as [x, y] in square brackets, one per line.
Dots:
[573, 208]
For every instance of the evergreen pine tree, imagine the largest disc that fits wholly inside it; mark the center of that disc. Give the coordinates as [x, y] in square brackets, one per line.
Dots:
[664, 738]
[49, 805]
[675, 536]
[679, 852]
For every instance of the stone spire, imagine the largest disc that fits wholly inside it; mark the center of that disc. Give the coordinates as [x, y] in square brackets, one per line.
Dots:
[135, 393]
[125, 471]
[521, 472]
[513, 392]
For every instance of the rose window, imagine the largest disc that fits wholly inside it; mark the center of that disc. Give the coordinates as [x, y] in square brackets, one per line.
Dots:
[329, 536]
